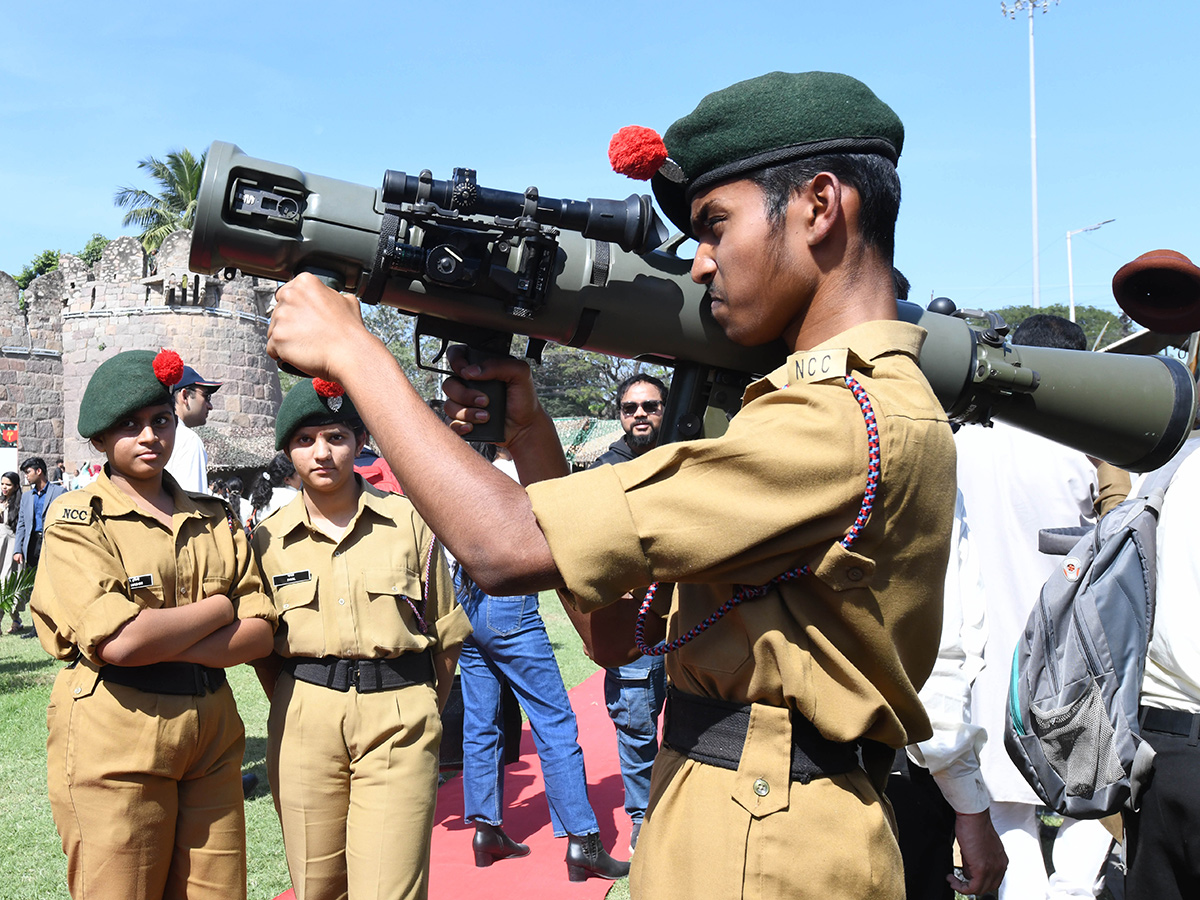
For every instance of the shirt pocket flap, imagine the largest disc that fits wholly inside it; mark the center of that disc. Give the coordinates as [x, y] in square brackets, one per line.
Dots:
[844, 570]
[392, 583]
[296, 595]
[147, 596]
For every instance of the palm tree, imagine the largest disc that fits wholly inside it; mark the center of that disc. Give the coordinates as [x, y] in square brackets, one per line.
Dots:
[174, 207]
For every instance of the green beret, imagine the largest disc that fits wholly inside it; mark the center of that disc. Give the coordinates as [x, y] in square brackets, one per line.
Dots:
[312, 402]
[123, 385]
[767, 121]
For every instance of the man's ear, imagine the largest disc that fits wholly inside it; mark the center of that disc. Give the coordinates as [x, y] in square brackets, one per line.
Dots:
[822, 199]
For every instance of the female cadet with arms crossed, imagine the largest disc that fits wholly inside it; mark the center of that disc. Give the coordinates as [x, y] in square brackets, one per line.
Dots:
[368, 627]
[149, 591]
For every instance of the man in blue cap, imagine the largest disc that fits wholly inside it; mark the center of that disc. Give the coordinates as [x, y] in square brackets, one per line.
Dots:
[193, 402]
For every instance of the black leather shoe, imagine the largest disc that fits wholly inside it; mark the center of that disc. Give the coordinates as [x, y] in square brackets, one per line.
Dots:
[586, 857]
[491, 844]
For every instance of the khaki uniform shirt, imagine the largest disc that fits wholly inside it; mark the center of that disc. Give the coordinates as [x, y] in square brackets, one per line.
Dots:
[847, 647]
[105, 559]
[359, 597]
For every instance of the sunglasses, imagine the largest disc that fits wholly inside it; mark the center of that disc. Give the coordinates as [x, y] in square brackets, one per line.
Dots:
[652, 407]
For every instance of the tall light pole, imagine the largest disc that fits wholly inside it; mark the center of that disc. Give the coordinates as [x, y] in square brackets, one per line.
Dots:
[1011, 12]
[1070, 271]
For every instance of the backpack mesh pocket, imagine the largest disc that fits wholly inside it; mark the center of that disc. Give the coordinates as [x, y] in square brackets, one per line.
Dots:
[1079, 743]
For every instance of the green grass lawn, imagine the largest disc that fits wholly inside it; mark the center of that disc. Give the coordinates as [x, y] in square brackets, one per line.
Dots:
[32, 865]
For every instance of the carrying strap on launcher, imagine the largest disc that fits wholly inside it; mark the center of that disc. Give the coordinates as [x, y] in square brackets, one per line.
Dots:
[1072, 727]
[752, 592]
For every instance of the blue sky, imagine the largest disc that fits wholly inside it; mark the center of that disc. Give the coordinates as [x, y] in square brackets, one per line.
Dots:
[530, 93]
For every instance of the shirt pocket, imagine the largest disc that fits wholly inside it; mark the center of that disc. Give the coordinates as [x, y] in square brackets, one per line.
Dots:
[149, 596]
[297, 605]
[393, 600]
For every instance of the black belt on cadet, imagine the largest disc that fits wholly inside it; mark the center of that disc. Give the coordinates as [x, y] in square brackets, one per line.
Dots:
[364, 675]
[714, 732]
[188, 679]
[1170, 721]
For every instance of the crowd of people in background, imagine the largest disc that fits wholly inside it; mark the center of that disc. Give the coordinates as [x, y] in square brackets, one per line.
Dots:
[807, 549]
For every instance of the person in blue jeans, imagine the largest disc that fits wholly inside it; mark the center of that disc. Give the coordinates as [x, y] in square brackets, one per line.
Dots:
[635, 691]
[509, 644]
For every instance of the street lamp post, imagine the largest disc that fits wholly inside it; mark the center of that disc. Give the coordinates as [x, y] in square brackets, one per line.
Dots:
[1011, 12]
[1070, 271]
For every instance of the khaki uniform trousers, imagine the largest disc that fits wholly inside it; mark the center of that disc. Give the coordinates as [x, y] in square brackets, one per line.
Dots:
[355, 783]
[831, 839]
[146, 792]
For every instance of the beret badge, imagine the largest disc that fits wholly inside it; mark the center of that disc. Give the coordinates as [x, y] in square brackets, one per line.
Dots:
[639, 153]
[330, 393]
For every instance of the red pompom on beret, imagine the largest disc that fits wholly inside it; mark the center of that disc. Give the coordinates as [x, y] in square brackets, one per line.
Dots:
[168, 367]
[327, 388]
[637, 151]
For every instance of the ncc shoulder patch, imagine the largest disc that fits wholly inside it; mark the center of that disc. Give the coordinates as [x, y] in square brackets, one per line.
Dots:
[74, 515]
[814, 366]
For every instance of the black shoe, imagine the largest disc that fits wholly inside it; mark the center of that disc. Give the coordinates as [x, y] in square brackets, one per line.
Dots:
[249, 783]
[586, 857]
[491, 844]
[633, 835]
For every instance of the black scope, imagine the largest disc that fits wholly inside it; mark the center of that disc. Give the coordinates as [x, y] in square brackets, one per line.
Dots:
[631, 224]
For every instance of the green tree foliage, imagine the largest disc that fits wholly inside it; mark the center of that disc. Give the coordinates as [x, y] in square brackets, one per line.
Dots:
[46, 261]
[1097, 324]
[94, 249]
[395, 329]
[173, 207]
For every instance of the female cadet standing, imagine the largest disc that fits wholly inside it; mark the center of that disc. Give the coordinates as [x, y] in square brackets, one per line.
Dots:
[368, 627]
[149, 591]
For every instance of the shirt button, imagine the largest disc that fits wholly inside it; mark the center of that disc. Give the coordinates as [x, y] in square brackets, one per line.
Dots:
[337, 552]
[287, 606]
[79, 690]
[854, 574]
[761, 787]
[183, 590]
[341, 601]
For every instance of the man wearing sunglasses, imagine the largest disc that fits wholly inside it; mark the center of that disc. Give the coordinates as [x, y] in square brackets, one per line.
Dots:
[193, 402]
[635, 691]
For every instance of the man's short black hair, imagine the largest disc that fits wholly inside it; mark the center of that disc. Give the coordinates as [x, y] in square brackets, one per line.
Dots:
[33, 462]
[633, 379]
[873, 176]
[1042, 330]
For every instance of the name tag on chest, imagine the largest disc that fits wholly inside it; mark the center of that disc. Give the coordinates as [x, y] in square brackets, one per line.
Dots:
[140, 581]
[818, 365]
[291, 578]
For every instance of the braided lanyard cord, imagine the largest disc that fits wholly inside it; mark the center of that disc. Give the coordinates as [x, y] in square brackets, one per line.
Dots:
[750, 592]
[422, 625]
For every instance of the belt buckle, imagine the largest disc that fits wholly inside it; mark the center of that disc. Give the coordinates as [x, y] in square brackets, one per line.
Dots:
[354, 676]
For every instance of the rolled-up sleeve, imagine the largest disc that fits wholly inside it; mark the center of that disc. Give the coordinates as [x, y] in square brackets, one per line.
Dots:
[80, 597]
[719, 510]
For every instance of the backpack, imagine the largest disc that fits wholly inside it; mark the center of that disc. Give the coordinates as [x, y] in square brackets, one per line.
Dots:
[1072, 726]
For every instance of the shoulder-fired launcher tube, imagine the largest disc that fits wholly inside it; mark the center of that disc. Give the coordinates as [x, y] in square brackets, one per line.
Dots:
[275, 221]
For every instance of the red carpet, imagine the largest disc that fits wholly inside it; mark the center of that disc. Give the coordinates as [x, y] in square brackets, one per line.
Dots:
[542, 873]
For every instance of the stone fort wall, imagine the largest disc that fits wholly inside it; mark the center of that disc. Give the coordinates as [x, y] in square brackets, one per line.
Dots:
[74, 318]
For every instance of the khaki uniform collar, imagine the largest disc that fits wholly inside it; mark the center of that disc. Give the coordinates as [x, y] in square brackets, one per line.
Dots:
[855, 349]
[115, 502]
[371, 501]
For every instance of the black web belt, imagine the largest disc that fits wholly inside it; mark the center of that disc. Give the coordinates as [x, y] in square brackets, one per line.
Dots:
[1170, 721]
[366, 676]
[713, 731]
[187, 679]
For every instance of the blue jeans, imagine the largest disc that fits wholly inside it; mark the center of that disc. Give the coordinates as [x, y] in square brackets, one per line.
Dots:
[510, 644]
[635, 693]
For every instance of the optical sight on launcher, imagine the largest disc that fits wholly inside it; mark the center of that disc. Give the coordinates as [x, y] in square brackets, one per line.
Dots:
[478, 266]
